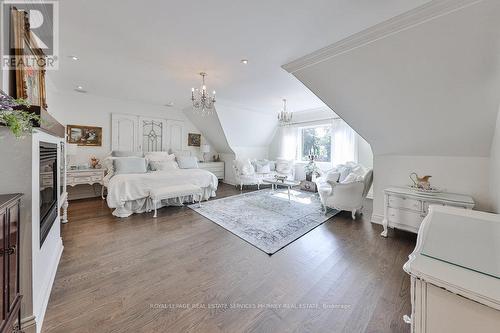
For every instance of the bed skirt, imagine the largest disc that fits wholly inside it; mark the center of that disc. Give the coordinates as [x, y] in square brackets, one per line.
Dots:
[146, 205]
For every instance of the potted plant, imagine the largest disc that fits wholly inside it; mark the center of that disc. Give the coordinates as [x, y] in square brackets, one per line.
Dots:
[20, 122]
[311, 168]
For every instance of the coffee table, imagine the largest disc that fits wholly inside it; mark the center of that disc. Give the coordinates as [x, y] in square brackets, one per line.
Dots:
[286, 183]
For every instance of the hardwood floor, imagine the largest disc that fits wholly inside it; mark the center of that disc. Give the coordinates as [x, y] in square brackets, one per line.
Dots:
[182, 273]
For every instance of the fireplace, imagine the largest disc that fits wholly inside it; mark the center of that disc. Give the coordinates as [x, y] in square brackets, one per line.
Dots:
[48, 188]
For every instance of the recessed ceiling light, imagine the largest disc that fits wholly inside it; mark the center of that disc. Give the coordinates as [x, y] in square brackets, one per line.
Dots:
[169, 104]
[74, 57]
[80, 89]
[244, 61]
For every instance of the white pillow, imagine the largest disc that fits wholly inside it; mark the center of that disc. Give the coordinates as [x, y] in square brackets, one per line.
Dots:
[159, 156]
[284, 166]
[245, 167]
[344, 172]
[351, 178]
[332, 176]
[262, 166]
[187, 162]
[163, 165]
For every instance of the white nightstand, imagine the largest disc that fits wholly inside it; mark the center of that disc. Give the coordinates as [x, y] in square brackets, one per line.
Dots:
[217, 168]
[85, 177]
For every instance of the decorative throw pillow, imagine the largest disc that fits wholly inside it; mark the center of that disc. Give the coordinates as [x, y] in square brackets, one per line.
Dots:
[262, 166]
[124, 153]
[187, 162]
[284, 166]
[272, 165]
[332, 176]
[163, 165]
[344, 172]
[159, 156]
[352, 177]
[125, 165]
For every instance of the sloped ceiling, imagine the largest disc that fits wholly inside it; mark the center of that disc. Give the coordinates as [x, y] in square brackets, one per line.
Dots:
[212, 130]
[429, 89]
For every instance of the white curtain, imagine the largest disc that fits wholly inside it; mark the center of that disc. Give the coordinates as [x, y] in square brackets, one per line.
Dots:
[344, 145]
[289, 142]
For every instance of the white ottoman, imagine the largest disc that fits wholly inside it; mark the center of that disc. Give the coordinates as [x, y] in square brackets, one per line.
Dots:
[174, 191]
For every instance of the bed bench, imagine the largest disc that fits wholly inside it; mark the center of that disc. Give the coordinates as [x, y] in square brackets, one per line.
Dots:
[174, 191]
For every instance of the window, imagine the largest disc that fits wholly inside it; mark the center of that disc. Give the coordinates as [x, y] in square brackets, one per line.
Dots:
[317, 140]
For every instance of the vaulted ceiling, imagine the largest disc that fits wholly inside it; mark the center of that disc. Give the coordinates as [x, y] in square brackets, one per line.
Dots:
[152, 50]
[425, 83]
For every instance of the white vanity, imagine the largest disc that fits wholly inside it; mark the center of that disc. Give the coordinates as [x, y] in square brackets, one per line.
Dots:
[455, 273]
[405, 208]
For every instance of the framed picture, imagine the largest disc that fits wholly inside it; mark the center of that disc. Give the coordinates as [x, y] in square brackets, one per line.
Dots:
[194, 140]
[84, 135]
[30, 62]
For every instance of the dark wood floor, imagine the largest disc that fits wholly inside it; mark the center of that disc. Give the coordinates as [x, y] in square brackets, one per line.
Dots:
[182, 273]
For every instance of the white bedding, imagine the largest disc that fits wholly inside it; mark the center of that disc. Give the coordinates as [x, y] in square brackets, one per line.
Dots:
[128, 193]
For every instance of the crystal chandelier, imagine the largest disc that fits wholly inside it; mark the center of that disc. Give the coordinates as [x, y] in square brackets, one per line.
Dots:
[203, 102]
[284, 117]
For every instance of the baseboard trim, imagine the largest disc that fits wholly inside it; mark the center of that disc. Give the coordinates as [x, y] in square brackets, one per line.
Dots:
[377, 219]
[28, 324]
[48, 289]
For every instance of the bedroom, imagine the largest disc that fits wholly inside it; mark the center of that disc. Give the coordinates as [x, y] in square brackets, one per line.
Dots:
[261, 175]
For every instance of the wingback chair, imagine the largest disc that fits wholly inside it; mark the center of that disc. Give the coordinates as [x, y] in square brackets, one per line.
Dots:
[244, 174]
[347, 196]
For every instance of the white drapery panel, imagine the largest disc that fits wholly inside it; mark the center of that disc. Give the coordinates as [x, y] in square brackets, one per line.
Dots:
[344, 143]
[289, 142]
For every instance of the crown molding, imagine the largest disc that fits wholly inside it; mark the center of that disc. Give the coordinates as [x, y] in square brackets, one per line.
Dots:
[409, 19]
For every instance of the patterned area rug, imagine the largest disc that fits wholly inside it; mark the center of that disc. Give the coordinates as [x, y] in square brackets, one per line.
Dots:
[265, 218]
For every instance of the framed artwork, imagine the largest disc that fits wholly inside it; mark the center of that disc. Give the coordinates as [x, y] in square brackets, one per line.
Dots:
[30, 62]
[84, 135]
[194, 140]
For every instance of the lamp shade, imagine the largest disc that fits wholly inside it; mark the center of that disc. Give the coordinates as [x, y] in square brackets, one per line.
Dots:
[71, 149]
[205, 148]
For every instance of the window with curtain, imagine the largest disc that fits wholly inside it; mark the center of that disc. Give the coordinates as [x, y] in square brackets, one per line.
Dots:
[316, 140]
[332, 141]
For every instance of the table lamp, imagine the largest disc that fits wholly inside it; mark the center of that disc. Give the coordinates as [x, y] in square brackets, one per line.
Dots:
[205, 149]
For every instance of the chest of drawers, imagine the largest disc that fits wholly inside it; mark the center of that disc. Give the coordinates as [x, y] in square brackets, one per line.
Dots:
[217, 168]
[405, 209]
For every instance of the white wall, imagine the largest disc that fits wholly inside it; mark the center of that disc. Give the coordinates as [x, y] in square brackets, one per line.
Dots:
[495, 169]
[86, 109]
[248, 132]
[467, 175]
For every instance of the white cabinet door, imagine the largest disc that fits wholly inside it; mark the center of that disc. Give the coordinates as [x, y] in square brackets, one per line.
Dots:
[153, 134]
[124, 132]
[177, 135]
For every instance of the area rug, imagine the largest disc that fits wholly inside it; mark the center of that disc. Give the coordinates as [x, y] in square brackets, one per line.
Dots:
[265, 218]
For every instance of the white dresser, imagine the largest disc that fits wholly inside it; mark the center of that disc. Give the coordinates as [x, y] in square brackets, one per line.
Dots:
[405, 209]
[455, 273]
[217, 168]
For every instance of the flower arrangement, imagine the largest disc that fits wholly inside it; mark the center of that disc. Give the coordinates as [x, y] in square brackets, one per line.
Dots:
[311, 168]
[20, 122]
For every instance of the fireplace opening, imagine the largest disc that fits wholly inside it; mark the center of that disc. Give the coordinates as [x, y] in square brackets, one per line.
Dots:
[48, 188]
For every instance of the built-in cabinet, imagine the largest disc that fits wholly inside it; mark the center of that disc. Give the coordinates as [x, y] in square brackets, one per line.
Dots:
[137, 133]
[9, 257]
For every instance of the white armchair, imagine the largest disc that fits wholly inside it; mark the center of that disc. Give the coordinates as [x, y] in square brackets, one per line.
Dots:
[244, 174]
[347, 196]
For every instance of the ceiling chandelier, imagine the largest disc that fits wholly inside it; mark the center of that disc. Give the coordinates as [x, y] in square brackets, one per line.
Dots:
[284, 117]
[203, 102]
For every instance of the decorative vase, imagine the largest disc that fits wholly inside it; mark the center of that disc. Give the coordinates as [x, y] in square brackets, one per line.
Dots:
[309, 177]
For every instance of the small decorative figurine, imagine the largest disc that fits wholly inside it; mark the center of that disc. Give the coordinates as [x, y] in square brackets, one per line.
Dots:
[94, 162]
[421, 182]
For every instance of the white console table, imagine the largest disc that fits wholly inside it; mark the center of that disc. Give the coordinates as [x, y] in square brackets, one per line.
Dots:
[405, 208]
[85, 177]
[217, 168]
[455, 273]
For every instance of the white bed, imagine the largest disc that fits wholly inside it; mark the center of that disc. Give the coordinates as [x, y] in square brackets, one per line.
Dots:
[128, 193]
